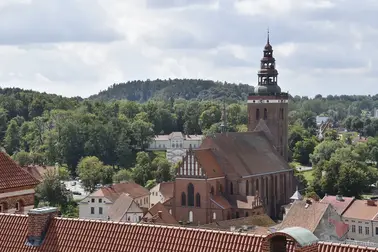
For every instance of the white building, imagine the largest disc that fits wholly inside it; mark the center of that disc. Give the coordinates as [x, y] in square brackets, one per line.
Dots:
[361, 216]
[97, 205]
[161, 193]
[175, 144]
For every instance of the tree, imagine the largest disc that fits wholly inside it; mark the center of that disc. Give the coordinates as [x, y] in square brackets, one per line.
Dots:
[22, 158]
[51, 190]
[12, 138]
[162, 169]
[324, 151]
[122, 175]
[303, 149]
[142, 171]
[142, 133]
[92, 172]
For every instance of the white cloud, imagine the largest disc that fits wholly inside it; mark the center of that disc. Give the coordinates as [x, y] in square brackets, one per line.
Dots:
[78, 47]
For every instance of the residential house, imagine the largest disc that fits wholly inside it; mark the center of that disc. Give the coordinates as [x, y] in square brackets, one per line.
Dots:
[361, 216]
[125, 209]
[161, 193]
[17, 186]
[39, 171]
[338, 202]
[318, 217]
[42, 231]
[158, 214]
[97, 204]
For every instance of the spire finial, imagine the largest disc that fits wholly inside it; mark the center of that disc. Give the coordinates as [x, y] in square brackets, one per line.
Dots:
[267, 40]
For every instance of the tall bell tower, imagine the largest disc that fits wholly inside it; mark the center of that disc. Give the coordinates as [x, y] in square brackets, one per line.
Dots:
[269, 104]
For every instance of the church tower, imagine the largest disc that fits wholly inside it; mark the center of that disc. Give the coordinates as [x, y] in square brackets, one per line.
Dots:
[269, 104]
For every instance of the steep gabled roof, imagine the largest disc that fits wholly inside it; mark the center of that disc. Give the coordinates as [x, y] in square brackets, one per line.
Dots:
[166, 189]
[341, 204]
[245, 153]
[120, 207]
[166, 217]
[208, 163]
[13, 176]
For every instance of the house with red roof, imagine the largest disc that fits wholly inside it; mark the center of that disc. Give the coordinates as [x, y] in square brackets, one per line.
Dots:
[17, 186]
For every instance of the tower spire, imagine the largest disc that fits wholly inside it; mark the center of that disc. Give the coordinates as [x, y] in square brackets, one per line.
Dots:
[224, 118]
[267, 39]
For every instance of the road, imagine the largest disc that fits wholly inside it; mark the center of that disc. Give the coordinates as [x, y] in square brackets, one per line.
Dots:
[75, 186]
[304, 168]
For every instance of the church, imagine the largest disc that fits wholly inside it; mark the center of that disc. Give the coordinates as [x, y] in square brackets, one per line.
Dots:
[233, 174]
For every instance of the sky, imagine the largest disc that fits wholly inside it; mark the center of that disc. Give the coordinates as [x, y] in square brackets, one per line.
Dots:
[79, 47]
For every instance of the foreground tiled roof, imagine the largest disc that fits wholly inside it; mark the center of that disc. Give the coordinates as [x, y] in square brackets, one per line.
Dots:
[339, 205]
[12, 176]
[69, 235]
[262, 220]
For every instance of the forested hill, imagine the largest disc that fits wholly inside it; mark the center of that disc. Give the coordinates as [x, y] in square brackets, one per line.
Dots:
[188, 89]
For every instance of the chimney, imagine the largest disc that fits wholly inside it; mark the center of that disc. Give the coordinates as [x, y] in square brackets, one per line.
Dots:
[160, 214]
[339, 198]
[38, 223]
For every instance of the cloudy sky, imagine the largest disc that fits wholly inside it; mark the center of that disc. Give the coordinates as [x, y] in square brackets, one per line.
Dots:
[79, 47]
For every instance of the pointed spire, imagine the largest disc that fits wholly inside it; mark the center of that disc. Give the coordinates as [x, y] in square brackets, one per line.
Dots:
[224, 118]
[267, 40]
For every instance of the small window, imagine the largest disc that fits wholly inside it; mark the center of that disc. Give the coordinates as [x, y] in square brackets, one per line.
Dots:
[99, 200]
[100, 210]
[214, 216]
[17, 206]
[93, 200]
[257, 114]
[1, 208]
[128, 218]
[265, 114]
[367, 231]
[92, 210]
[237, 215]
[376, 231]
[359, 229]
[246, 214]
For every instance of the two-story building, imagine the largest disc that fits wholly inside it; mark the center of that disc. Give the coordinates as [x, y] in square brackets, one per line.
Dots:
[97, 205]
[17, 187]
[161, 193]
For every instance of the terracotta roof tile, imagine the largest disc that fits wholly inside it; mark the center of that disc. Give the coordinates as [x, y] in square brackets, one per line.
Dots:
[12, 175]
[339, 205]
[221, 201]
[261, 220]
[209, 163]
[245, 153]
[69, 235]
[114, 191]
[166, 218]
[37, 171]
[359, 209]
[166, 189]
[306, 217]
[244, 202]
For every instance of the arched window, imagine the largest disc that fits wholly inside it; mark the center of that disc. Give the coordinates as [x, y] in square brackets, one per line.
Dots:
[190, 194]
[198, 200]
[183, 199]
[247, 187]
[257, 114]
[231, 188]
[265, 114]
[281, 113]
[220, 188]
[190, 216]
[246, 214]
[214, 216]
[212, 190]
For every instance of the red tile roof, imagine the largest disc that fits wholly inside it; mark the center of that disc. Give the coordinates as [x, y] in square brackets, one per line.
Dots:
[339, 205]
[69, 235]
[359, 209]
[166, 189]
[114, 191]
[38, 172]
[209, 163]
[166, 217]
[13, 176]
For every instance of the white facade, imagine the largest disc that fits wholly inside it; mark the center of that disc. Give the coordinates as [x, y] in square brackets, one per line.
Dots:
[143, 201]
[156, 196]
[361, 230]
[94, 208]
[175, 144]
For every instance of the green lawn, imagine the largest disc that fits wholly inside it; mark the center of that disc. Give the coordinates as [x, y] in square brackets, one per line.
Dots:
[160, 154]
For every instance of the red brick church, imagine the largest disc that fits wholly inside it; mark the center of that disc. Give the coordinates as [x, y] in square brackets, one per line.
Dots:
[233, 174]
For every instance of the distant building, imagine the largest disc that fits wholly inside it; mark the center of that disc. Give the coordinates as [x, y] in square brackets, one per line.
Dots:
[161, 193]
[98, 204]
[125, 209]
[175, 144]
[321, 119]
[158, 214]
[375, 113]
[17, 187]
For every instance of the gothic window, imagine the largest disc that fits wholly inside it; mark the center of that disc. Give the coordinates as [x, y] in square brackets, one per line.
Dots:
[183, 199]
[228, 216]
[257, 184]
[265, 114]
[257, 114]
[220, 188]
[281, 113]
[198, 200]
[212, 190]
[190, 194]
[231, 188]
[190, 216]
[237, 215]
[246, 188]
[246, 214]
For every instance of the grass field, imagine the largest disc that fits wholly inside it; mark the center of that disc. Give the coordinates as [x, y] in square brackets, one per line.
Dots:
[308, 175]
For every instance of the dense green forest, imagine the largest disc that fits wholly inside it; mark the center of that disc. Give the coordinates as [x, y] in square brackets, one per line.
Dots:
[108, 132]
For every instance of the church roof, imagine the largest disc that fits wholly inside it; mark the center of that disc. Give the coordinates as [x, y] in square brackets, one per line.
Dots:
[245, 153]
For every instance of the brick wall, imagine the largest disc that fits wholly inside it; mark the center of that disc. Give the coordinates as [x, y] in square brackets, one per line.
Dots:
[10, 202]
[37, 223]
[281, 242]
